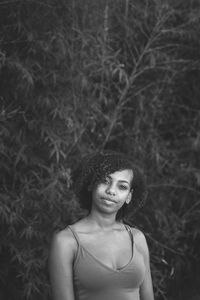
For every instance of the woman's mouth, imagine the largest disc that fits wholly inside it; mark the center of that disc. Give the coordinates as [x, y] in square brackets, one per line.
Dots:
[108, 200]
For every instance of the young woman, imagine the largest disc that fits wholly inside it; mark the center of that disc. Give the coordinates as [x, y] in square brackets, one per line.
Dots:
[100, 257]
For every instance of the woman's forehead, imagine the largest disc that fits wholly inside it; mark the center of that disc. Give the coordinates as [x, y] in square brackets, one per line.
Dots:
[122, 175]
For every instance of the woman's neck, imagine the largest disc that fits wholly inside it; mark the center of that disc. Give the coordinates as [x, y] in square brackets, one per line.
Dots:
[103, 222]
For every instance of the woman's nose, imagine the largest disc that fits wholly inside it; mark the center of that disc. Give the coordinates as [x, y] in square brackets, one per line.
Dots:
[110, 190]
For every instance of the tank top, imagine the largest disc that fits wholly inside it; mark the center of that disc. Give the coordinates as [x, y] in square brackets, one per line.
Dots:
[93, 280]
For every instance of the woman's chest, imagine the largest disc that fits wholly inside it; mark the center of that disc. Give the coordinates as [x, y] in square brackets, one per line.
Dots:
[114, 250]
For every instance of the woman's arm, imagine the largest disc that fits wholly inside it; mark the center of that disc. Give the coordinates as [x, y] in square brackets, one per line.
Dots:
[61, 265]
[146, 288]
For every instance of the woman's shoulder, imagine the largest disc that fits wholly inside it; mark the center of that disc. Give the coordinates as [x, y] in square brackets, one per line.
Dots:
[64, 241]
[140, 241]
[138, 234]
[80, 225]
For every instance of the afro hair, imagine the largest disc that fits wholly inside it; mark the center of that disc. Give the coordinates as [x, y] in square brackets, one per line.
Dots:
[97, 166]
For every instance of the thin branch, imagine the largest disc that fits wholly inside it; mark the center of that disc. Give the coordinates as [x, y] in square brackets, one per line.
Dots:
[15, 1]
[175, 186]
[76, 140]
[195, 205]
[163, 245]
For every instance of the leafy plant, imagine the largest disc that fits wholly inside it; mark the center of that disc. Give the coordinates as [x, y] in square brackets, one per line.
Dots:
[77, 76]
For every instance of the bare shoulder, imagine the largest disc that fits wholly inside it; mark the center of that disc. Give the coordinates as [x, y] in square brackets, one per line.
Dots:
[138, 235]
[140, 241]
[64, 244]
[81, 225]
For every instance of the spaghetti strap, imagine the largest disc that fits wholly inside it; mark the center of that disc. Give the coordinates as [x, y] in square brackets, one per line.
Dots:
[128, 228]
[74, 234]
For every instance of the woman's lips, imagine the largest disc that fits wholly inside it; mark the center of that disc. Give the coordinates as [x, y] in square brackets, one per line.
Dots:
[109, 200]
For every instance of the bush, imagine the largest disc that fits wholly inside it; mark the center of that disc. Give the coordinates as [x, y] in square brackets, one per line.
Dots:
[78, 76]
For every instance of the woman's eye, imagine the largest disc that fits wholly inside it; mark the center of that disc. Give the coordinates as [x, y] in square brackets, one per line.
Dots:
[123, 187]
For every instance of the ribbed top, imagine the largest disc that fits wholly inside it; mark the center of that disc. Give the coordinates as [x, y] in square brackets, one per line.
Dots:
[93, 280]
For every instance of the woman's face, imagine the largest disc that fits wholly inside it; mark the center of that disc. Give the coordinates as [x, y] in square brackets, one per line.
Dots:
[111, 194]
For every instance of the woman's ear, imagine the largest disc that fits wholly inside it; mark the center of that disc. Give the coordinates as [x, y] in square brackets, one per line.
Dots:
[128, 200]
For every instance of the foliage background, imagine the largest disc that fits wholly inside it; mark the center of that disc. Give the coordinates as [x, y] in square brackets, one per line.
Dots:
[76, 76]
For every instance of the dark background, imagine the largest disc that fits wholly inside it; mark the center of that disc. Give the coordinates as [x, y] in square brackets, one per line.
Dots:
[77, 76]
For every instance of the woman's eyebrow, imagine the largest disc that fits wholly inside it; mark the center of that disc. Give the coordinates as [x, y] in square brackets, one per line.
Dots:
[121, 180]
[124, 181]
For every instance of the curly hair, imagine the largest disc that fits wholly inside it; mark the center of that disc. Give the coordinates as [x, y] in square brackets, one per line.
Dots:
[97, 166]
